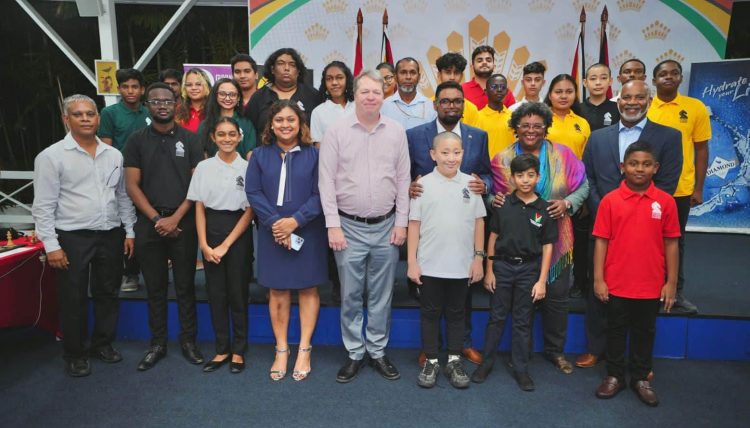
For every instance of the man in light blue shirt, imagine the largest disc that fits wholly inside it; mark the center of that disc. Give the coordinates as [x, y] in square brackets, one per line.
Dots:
[407, 105]
[79, 205]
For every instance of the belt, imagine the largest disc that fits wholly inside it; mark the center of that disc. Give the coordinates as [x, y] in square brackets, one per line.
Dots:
[369, 220]
[515, 260]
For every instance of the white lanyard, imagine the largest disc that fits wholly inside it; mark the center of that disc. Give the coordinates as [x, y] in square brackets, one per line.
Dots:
[282, 176]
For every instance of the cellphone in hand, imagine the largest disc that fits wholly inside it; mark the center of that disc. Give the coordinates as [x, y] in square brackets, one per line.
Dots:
[297, 242]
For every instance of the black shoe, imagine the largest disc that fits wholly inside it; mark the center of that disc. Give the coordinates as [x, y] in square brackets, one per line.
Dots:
[456, 374]
[237, 367]
[386, 369]
[349, 371]
[212, 365]
[154, 354]
[192, 353]
[414, 290]
[481, 373]
[108, 354]
[77, 367]
[684, 306]
[524, 381]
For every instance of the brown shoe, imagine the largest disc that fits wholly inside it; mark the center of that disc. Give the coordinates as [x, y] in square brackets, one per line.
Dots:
[585, 361]
[472, 355]
[561, 363]
[645, 392]
[609, 387]
[421, 359]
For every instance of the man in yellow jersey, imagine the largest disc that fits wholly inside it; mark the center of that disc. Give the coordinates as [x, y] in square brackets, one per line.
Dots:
[495, 116]
[451, 67]
[689, 116]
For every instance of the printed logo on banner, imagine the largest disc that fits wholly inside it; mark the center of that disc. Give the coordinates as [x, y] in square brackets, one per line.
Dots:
[720, 167]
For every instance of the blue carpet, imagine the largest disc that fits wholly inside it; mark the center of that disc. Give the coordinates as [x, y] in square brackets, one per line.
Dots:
[36, 392]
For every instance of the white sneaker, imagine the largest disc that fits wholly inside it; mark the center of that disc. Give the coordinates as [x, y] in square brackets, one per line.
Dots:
[129, 284]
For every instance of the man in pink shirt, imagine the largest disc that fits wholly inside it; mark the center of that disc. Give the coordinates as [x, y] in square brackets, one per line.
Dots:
[364, 189]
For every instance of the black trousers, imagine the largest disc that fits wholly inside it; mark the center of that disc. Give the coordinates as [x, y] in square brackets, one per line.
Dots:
[153, 251]
[596, 312]
[581, 234]
[227, 282]
[512, 296]
[554, 308]
[442, 296]
[636, 317]
[102, 252]
[683, 211]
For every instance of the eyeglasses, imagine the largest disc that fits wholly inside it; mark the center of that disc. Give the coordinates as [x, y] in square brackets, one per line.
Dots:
[388, 78]
[497, 86]
[160, 103]
[445, 102]
[230, 95]
[527, 126]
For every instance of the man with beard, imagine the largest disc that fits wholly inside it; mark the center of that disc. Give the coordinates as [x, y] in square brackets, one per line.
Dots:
[689, 116]
[407, 106]
[494, 117]
[448, 104]
[451, 67]
[159, 162]
[483, 64]
[602, 157]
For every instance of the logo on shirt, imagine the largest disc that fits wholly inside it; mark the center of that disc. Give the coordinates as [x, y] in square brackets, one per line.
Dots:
[239, 182]
[179, 149]
[300, 105]
[466, 194]
[536, 220]
[607, 118]
[577, 127]
[683, 116]
[656, 211]
[148, 121]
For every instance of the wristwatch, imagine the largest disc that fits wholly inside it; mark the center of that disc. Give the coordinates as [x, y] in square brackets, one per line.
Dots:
[156, 218]
[480, 253]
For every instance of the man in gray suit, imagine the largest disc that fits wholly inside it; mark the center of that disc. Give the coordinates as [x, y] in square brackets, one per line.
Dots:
[602, 157]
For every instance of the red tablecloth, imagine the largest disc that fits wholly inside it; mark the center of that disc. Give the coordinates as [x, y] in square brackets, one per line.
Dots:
[20, 276]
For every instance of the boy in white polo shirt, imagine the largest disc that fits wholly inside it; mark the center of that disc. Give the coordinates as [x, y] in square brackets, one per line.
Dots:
[445, 251]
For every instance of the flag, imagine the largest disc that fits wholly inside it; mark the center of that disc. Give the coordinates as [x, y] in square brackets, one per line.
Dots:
[603, 46]
[579, 59]
[358, 45]
[385, 49]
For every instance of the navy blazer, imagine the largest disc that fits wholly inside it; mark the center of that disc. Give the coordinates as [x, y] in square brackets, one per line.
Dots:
[476, 159]
[602, 159]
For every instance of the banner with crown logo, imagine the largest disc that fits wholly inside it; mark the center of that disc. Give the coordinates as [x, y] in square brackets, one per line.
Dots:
[521, 31]
[724, 87]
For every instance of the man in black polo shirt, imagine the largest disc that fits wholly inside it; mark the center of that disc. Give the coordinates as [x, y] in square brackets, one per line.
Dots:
[159, 162]
[598, 111]
[285, 74]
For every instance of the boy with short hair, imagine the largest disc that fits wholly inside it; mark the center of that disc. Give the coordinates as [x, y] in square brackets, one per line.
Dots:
[597, 109]
[636, 248]
[532, 82]
[522, 234]
[445, 250]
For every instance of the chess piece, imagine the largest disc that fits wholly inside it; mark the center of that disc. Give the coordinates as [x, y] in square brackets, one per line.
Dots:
[9, 238]
[33, 239]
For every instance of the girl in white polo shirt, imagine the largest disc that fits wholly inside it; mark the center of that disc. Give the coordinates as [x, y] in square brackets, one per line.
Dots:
[222, 218]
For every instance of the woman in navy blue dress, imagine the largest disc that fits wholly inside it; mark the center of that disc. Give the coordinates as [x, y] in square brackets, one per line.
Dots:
[282, 187]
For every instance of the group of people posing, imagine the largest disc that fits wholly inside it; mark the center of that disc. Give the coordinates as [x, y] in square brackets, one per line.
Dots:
[334, 181]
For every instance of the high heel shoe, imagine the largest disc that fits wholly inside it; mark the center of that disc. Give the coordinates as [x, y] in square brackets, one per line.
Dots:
[237, 367]
[277, 375]
[212, 365]
[300, 375]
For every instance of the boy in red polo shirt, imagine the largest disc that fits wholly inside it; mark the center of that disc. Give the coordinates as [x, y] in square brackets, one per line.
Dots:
[636, 232]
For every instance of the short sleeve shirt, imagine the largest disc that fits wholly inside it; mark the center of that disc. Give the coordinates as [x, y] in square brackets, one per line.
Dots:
[572, 131]
[118, 122]
[495, 123]
[689, 116]
[220, 185]
[166, 162]
[635, 226]
[600, 116]
[522, 228]
[447, 212]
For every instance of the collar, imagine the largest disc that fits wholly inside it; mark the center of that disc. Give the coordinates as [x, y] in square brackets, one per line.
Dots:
[237, 160]
[456, 178]
[639, 126]
[171, 132]
[296, 148]
[69, 143]
[354, 121]
[456, 130]
[141, 107]
[658, 102]
[473, 83]
[418, 99]
[627, 193]
[514, 199]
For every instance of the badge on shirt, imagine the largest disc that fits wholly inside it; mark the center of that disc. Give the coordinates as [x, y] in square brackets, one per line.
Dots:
[239, 182]
[656, 211]
[148, 121]
[466, 194]
[577, 127]
[607, 119]
[179, 149]
[536, 220]
[300, 105]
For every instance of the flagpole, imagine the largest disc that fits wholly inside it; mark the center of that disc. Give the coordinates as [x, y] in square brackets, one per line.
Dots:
[382, 39]
[603, 48]
[582, 20]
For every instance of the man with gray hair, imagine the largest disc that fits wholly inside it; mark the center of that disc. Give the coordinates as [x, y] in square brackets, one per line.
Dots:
[364, 189]
[604, 153]
[407, 106]
[79, 205]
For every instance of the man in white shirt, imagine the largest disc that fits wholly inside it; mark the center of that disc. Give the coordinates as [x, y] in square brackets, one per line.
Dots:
[79, 206]
[407, 106]
[532, 82]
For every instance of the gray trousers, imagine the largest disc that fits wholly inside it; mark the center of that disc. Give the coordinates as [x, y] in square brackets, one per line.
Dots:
[369, 261]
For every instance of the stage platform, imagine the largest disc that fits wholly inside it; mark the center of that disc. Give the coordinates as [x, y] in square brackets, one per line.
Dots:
[718, 282]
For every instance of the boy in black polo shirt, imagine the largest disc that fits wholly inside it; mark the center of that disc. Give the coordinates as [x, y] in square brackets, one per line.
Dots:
[518, 260]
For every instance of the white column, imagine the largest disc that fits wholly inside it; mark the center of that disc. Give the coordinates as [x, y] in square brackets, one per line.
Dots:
[108, 38]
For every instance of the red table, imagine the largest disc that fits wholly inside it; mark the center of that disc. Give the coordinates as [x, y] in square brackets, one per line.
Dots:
[22, 278]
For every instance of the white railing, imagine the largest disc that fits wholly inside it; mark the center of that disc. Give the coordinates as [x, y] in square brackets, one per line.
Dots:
[15, 218]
